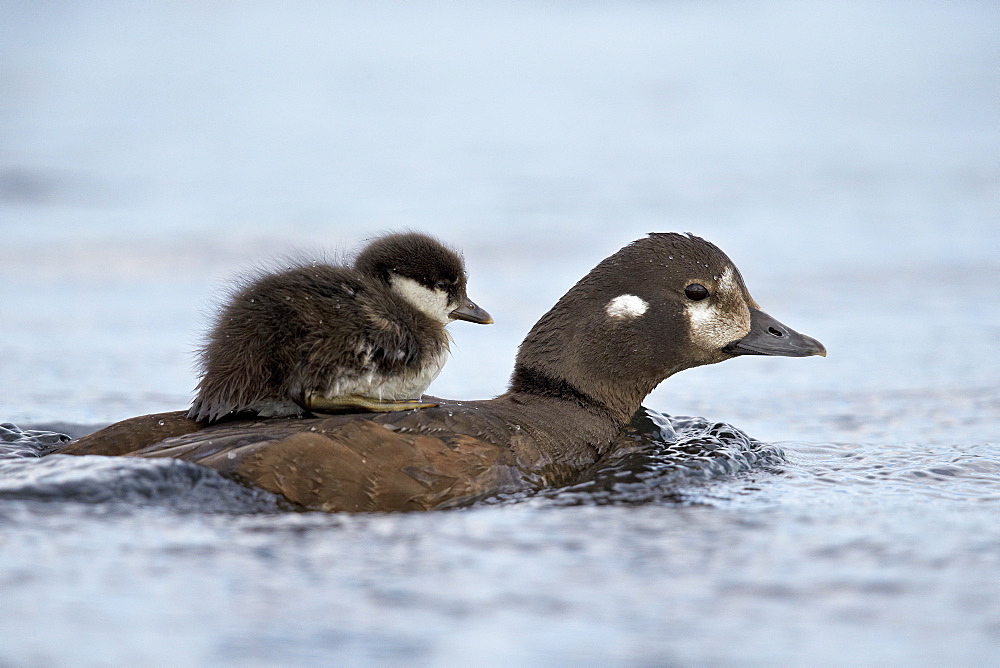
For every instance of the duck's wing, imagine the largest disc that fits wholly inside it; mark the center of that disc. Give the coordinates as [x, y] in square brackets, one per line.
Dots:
[133, 434]
[348, 463]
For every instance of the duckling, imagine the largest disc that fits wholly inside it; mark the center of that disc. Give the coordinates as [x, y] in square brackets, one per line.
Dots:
[322, 337]
[662, 304]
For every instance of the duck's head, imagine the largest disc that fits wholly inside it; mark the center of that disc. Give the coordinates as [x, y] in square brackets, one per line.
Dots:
[660, 305]
[425, 273]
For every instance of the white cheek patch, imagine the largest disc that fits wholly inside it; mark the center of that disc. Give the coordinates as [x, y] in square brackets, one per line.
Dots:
[728, 286]
[433, 303]
[721, 320]
[626, 306]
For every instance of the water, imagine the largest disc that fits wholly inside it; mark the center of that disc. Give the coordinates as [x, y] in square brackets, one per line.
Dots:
[843, 155]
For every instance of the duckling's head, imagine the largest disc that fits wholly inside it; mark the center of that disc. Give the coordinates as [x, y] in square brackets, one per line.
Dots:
[660, 305]
[425, 273]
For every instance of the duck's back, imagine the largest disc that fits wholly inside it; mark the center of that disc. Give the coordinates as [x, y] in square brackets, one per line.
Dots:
[414, 460]
[348, 463]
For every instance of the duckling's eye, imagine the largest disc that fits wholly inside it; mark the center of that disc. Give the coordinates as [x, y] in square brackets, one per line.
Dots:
[696, 292]
[441, 285]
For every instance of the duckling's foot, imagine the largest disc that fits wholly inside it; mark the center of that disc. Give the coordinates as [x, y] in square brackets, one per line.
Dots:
[352, 403]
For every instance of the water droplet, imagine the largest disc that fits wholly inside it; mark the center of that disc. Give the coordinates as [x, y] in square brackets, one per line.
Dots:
[161, 423]
[230, 455]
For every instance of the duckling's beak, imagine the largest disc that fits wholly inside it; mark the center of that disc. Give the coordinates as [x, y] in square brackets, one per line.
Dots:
[767, 336]
[469, 311]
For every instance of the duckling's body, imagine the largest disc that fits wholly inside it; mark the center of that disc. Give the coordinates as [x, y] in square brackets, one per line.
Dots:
[660, 305]
[319, 336]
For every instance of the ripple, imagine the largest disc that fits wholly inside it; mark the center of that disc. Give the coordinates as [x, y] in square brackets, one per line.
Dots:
[16, 442]
[658, 459]
[899, 471]
[127, 481]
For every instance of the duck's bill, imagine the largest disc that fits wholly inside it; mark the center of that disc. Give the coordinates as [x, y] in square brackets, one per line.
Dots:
[471, 313]
[767, 336]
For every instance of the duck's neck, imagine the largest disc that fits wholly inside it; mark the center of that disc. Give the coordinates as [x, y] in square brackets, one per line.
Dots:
[586, 371]
[535, 381]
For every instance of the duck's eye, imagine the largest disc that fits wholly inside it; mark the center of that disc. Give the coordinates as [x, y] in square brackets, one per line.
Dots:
[441, 285]
[696, 292]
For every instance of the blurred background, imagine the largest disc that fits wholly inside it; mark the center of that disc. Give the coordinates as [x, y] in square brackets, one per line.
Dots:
[845, 155]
